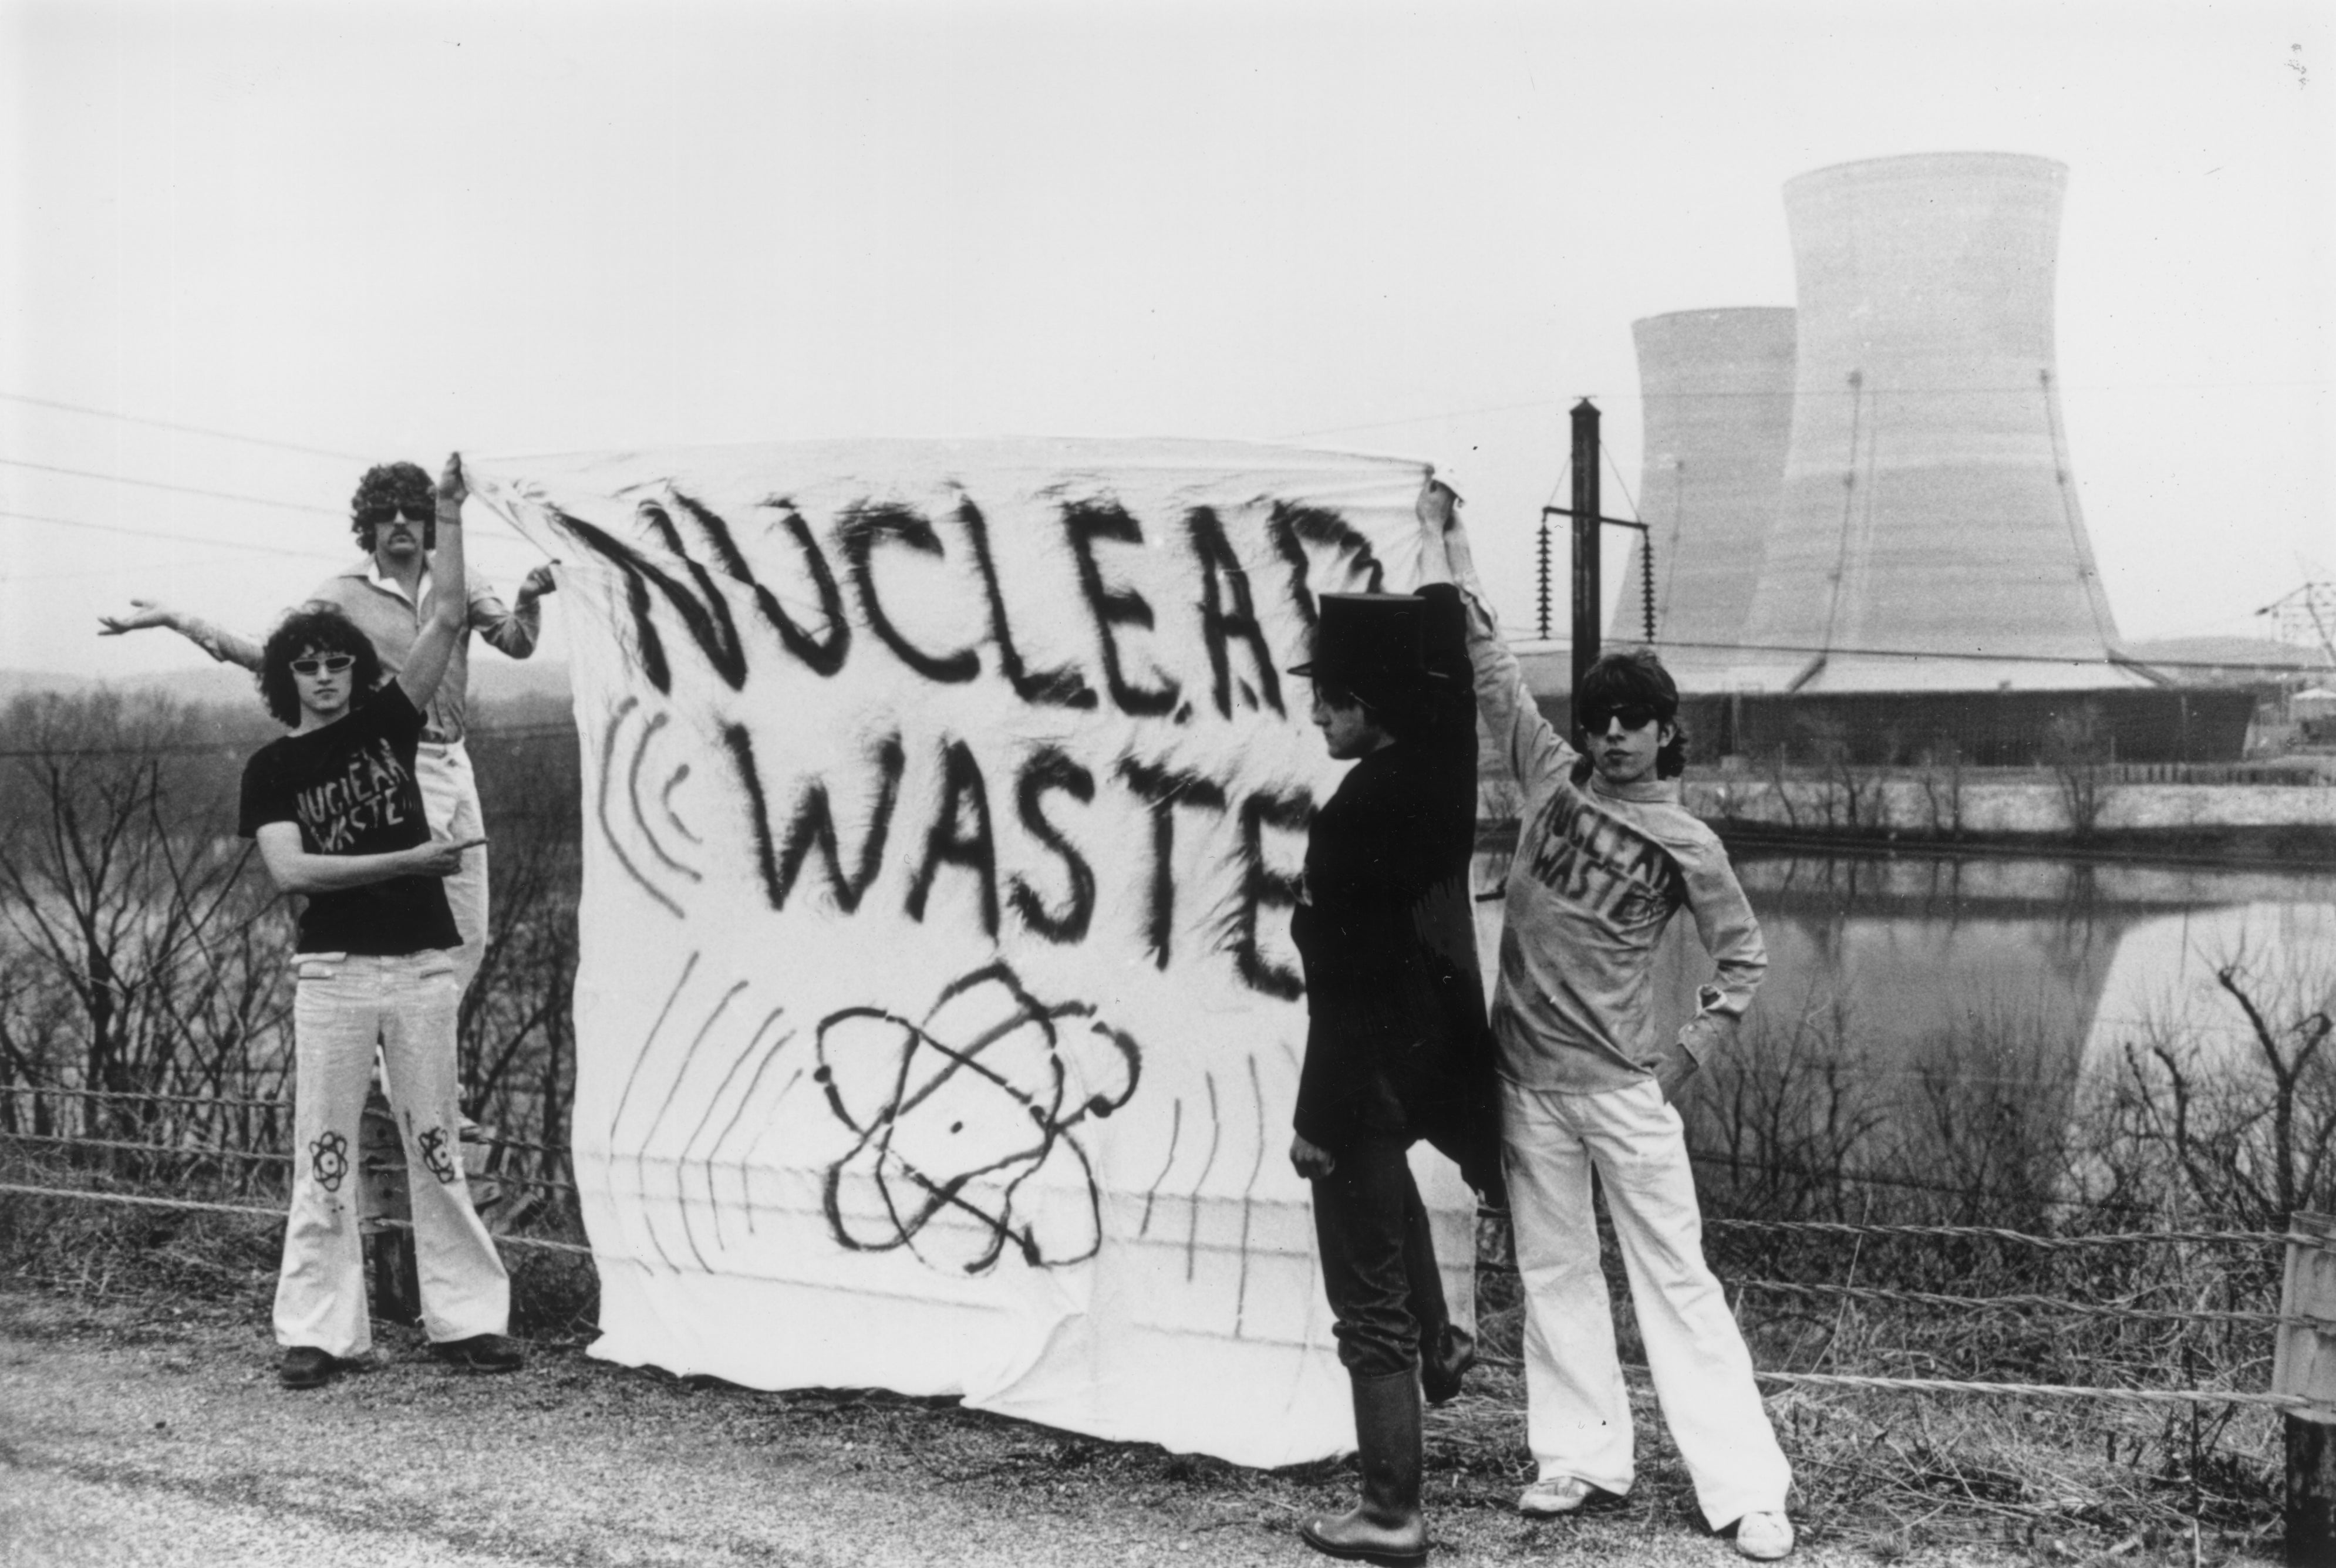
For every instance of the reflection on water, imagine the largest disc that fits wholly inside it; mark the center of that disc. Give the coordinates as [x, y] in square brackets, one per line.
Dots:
[1951, 1036]
[1905, 956]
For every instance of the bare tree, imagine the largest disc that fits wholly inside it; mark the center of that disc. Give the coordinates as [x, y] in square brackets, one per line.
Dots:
[2248, 1135]
[123, 898]
[1941, 779]
[2079, 749]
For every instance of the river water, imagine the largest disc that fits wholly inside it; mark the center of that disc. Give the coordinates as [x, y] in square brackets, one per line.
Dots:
[1942, 964]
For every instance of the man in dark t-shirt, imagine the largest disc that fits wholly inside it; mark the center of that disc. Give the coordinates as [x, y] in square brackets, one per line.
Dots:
[338, 816]
[351, 788]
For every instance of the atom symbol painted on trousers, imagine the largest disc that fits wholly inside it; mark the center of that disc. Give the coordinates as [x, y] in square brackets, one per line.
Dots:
[328, 1161]
[432, 1145]
[968, 1116]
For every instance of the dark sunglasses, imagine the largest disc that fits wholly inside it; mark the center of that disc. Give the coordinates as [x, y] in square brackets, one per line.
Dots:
[331, 664]
[413, 512]
[1633, 716]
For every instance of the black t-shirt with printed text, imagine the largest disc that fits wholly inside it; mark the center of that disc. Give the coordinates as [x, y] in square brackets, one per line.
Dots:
[351, 788]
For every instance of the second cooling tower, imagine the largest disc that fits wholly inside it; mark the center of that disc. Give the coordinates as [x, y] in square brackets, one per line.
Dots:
[1717, 391]
[1926, 503]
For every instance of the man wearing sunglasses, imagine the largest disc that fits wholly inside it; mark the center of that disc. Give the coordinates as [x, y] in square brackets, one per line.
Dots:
[388, 595]
[337, 809]
[1605, 857]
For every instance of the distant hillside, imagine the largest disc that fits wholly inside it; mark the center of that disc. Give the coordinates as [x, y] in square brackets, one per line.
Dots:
[2194, 659]
[503, 690]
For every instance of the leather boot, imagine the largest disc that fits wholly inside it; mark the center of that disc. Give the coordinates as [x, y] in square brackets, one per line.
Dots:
[1447, 1352]
[1386, 1527]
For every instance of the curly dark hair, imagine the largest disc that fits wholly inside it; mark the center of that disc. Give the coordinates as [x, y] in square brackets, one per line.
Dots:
[394, 484]
[320, 630]
[1635, 677]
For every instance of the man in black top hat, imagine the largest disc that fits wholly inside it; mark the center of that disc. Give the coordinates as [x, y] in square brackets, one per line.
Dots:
[1396, 1046]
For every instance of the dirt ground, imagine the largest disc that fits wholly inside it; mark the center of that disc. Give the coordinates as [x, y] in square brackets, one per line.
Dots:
[133, 1436]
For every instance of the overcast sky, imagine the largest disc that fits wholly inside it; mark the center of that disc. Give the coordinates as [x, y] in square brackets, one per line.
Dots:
[385, 231]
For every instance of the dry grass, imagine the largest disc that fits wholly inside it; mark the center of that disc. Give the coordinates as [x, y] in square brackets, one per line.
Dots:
[212, 1264]
[1886, 1477]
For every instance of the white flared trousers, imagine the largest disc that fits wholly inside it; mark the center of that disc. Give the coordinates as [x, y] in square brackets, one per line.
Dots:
[450, 804]
[1577, 1412]
[344, 1004]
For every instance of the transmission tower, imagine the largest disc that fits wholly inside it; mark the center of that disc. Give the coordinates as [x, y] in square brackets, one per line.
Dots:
[2306, 617]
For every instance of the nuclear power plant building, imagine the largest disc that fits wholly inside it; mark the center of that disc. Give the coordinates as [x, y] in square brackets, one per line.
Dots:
[1717, 388]
[1862, 511]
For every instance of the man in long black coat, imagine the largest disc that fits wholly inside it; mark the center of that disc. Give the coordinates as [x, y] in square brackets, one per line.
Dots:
[1396, 1047]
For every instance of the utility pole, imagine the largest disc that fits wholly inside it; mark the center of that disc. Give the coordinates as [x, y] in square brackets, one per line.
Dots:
[1587, 578]
[2304, 1365]
[1587, 521]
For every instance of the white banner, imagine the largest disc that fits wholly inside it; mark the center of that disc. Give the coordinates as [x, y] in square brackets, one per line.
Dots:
[938, 1025]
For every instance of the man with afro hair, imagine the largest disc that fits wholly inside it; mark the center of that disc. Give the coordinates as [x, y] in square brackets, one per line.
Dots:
[387, 595]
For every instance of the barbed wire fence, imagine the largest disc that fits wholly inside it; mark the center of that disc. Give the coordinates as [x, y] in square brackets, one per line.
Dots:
[127, 1172]
[2147, 1312]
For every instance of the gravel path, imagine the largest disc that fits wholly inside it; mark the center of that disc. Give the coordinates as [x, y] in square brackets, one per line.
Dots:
[129, 1437]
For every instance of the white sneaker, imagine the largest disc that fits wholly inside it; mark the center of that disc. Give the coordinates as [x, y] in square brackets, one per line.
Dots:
[1764, 1537]
[1548, 1499]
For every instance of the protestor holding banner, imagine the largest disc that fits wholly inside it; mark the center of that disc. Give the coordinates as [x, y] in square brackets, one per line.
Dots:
[338, 815]
[945, 805]
[1606, 856]
[1397, 1047]
[388, 593]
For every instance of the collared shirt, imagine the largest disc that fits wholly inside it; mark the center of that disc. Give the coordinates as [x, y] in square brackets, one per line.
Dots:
[391, 622]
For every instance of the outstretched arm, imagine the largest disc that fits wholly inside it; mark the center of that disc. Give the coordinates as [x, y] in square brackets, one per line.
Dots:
[1531, 747]
[225, 646]
[513, 631]
[450, 598]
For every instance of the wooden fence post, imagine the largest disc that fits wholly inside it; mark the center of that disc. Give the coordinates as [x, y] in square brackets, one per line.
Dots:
[381, 1166]
[2304, 1364]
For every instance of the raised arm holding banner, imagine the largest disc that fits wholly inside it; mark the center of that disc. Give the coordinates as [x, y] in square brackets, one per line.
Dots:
[939, 1028]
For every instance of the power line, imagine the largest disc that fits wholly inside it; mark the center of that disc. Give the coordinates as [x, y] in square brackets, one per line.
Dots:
[1921, 389]
[162, 484]
[156, 485]
[474, 531]
[1950, 655]
[165, 534]
[1425, 418]
[209, 747]
[186, 563]
[1800, 392]
[182, 429]
[1944, 654]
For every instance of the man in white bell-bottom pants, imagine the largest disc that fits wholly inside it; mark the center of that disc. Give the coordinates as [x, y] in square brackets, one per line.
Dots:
[1605, 857]
[1578, 1411]
[338, 813]
[345, 1003]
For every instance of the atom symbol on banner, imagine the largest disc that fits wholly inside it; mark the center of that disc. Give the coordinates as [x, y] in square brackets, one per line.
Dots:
[970, 1113]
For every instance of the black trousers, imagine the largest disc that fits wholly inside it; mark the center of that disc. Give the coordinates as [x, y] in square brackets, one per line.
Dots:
[1378, 1259]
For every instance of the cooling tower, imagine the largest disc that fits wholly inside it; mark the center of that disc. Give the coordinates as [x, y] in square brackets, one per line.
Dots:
[1716, 387]
[1927, 504]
